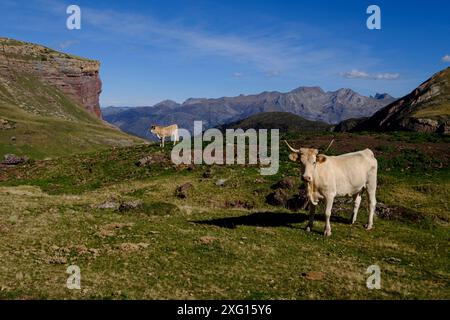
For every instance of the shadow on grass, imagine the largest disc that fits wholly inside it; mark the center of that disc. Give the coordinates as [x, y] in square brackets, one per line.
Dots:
[268, 219]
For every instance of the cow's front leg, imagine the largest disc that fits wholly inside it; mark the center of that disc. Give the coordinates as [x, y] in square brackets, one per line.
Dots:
[329, 204]
[312, 211]
[357, 199]
[162, 141]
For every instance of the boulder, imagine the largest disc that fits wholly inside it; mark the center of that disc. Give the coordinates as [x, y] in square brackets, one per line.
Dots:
[183, 190]
[285, 183]
[278, 198]
[12, 159]
[130, 205]
[220, 182]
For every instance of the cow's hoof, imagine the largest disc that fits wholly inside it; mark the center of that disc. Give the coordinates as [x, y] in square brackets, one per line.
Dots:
[327, 233]
[368, 227]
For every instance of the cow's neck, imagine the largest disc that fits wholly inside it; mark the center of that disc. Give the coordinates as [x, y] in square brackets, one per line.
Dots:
[313, 186]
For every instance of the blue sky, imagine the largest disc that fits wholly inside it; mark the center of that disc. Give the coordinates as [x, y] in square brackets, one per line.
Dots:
[155, 50]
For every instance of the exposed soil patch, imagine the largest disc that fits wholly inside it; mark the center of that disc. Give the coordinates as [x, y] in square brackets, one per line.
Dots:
[396, 212]
[110, 229]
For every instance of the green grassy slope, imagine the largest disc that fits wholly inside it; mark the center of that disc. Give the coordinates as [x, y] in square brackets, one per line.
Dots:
[221, 242]
[47, 122]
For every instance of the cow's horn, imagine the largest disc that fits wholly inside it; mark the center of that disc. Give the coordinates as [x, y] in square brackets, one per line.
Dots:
[329, 146]
[292, 149]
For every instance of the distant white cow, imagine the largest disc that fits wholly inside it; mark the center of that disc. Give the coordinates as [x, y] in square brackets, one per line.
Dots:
[329, 176]
[163, 132]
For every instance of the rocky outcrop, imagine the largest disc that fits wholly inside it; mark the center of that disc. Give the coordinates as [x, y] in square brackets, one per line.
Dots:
[426, 109]
[78, 78]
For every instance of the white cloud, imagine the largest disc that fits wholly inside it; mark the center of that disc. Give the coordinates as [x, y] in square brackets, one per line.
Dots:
[238, 75]
[446, 58]
[386, 76]
[67, 44]
[356, 74]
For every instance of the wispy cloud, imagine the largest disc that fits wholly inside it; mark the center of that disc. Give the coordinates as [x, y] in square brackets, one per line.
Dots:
[66, 44]
[356, 74]
[267, 50]
[446, 58]
[237, 75]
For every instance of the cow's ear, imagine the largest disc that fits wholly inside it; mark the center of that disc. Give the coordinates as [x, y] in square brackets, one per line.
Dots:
[293, 156]
[321, 158]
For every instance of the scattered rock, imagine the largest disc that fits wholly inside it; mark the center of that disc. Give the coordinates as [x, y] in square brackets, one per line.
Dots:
[207, 240]
[208, 173]
[130, 205]
[397, 212]
[299, 201]
[278, 198]
[110, 229]
[131, 247]
[13, 138]
[57, 260]
[12, 159]
[108, 205]
[239, 204]
[144, 161]
[285, 183]
[259, 191]
[6, 124]
[183, 190]
[259, 180]
[393, 260]
[156, 158]
[313, 275]
[220, 182]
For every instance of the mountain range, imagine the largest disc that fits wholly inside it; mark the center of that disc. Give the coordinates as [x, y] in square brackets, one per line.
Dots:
[311, 103]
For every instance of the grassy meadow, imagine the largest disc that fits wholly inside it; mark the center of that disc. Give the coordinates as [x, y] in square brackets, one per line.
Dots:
[222, 242]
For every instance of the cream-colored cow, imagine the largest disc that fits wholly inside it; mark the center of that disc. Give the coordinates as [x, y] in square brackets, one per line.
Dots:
[327, 177]
[163, 132]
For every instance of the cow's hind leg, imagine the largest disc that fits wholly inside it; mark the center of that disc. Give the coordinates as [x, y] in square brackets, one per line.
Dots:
[371, 191]
[329, 206]
[357, 200]
[312, 210]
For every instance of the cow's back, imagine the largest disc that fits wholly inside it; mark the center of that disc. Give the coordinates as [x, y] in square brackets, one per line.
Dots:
[353, 170]
[168, 131]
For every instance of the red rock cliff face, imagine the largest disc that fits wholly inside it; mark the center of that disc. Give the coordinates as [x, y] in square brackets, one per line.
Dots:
[77, 77]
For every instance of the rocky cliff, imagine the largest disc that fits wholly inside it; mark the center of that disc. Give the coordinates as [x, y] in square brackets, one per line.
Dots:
[76, 77]
[425, 109]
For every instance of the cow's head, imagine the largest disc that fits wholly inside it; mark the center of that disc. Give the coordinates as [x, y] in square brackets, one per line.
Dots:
[309, 157]
[152, 129]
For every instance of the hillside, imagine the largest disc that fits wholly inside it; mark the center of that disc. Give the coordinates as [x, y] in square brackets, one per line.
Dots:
[425, 109]
[134, 237]
[38, 117]
[285, 121]
[311, 103]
